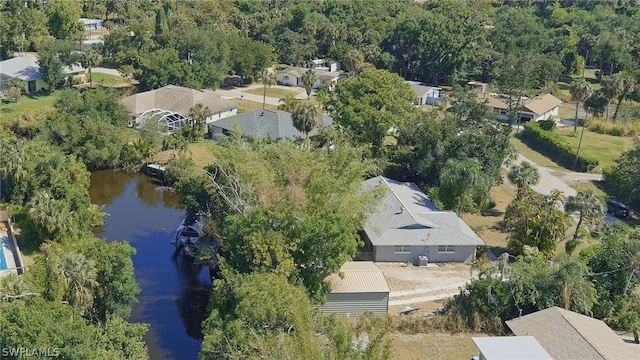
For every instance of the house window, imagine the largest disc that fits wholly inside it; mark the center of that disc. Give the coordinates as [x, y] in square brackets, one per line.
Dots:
[402, 249]
[286, 77]
[446, 249]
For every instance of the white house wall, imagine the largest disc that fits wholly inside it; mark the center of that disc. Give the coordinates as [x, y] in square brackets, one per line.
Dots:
[288, 79]
[221, 115]
[461, 253]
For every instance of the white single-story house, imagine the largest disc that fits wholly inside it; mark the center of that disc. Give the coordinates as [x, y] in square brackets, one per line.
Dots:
[86, 44]
[91, 24]
[262, 124]
[407, 227]
[358, 287]
[510, 348]
[26, 69]
[566, 334]
[478, 86]
[170, 105]
[425, 95]
[292, 76]
[325, 65]
[542, 107]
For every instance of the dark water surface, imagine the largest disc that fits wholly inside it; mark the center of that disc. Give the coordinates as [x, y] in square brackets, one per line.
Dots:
[174, 291]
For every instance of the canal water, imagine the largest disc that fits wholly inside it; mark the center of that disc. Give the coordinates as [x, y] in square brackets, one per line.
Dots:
[175, 291]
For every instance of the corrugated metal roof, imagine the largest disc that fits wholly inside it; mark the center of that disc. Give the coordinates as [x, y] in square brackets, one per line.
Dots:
[406, 216]
[358, 277]
[511, 348]
[569, 335]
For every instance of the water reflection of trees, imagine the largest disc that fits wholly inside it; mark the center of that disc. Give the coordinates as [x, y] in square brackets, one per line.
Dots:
[108, 185]
[193, 300]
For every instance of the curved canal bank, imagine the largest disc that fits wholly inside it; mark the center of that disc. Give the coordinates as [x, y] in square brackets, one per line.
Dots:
[175, 291]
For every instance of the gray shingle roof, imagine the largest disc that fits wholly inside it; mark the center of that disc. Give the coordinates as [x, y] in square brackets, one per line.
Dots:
[176, 99]
[320, 74]
[420, 90]
[27, 69]
[569, 335]
[406, 216]
[267, 124]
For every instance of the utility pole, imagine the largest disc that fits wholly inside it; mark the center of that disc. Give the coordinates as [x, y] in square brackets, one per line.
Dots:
[584, 124]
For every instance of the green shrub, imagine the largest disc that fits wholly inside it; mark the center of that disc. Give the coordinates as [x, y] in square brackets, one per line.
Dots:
[554, 143]
[548, 125]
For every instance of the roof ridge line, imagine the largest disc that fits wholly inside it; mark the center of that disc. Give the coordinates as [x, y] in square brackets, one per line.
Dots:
[579, 333]
[400, 200]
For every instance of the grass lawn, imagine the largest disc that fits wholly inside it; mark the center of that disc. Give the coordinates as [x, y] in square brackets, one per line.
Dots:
[29, 103]
[565, 84]
[108, 80]
[534, 155]
[198, 152]
[277, 93]
[606, 148]
[248, 106]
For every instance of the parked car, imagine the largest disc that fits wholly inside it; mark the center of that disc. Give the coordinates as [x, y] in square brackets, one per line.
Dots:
[618, 209]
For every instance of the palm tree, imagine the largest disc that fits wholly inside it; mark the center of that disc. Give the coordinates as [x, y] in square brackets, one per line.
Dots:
[610, 90]
[589, 206]
[354, 61]
[524, 176]
[304, 118]
[199, 113]
[309, 78]
[626, 85]
[78, 275]
[268, 79]
[89, 60]
[288, 103]
[580, 91]
[13, 285]
[461, 182]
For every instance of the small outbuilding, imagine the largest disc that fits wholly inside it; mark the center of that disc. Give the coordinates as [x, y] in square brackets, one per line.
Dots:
[359, 287]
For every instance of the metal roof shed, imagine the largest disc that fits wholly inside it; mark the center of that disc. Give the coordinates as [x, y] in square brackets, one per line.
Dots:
[358, 287]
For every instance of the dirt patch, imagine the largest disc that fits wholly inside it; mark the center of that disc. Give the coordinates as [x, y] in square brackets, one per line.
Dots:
[434, 346]
[488, 225]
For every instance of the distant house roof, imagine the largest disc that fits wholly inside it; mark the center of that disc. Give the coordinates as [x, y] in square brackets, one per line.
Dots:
[87, 21]
[511, 348]
[421, 90]
[268, 124]
[299, 71]
[569, 335]
[26, 68]
[358, 277]
[406, 216]
[175, 99]
[492, 101]
[541, 104]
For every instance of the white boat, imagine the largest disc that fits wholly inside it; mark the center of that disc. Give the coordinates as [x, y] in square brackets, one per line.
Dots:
[188, 234]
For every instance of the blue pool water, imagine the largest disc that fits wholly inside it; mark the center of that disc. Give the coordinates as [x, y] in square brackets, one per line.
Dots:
[3, 261]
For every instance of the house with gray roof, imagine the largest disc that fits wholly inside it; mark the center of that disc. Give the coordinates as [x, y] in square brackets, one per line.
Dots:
[358, 287]
[292, 76]
[568, 335]
[26, 68]
[407, 226]
[263, 124]
[425, 95]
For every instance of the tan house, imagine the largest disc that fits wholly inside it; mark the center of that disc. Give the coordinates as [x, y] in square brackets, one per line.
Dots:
[565, 334]
[170, 106]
